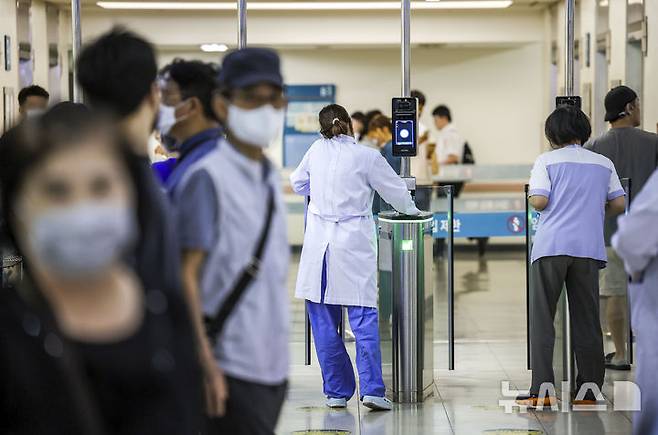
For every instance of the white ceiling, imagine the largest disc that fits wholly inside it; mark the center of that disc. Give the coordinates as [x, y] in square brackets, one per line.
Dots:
[517, 3]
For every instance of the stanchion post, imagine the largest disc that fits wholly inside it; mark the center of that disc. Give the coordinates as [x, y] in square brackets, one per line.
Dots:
[629, 198]
[528, 218]
[405, 45]
[570, 7]
[76, 34]
[242, 23]
[451, 277]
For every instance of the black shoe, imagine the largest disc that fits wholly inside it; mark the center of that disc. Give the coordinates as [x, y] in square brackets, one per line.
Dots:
[610, 356]
[620, 366]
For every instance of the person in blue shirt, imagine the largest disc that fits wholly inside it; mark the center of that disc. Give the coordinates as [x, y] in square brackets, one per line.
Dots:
[380, 132]
[187, 123]
[572, 188]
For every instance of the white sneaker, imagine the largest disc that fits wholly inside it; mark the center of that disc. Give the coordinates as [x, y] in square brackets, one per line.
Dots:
[377, 403]
[336, 403]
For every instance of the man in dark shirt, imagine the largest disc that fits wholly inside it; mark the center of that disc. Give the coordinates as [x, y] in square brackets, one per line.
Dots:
[117, 73]
[635, 155]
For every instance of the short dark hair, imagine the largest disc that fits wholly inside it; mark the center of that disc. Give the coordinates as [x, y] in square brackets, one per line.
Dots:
[380, 121]
[361, 117]
[442, 111]
[419, 95]
[566, 125]
[370, 115]
[334, 121]
[195, 79]
[116, 71]
[32, 91]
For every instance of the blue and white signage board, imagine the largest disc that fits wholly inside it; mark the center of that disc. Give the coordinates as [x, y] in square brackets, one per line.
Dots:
[302, 127]
[496, 224]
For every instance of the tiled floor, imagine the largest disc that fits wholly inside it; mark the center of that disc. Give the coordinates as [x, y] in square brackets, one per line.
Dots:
[490, 349]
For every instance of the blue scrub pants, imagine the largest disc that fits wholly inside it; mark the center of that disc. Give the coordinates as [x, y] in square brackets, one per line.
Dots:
[337, 372]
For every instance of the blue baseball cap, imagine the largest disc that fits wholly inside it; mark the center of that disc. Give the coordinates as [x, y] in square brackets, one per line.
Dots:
[250, 66]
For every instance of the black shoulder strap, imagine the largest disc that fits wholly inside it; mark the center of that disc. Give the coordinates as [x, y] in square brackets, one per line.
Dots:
[214, 325]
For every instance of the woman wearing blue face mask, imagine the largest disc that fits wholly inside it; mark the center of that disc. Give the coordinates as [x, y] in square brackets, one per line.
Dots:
[84, 348]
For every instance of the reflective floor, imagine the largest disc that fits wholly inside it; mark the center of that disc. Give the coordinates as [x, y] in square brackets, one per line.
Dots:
[490, 359]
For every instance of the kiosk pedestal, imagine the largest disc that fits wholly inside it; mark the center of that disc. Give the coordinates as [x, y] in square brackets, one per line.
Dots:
[406, 304]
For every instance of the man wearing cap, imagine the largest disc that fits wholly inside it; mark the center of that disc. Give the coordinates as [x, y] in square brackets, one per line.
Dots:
[634, 153]
[239, 263]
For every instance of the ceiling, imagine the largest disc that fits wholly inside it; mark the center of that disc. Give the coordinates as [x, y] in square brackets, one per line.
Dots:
[517, 3]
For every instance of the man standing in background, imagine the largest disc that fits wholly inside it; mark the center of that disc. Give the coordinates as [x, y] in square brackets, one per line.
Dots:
[421, 164]
[32, 100]
[449, 143]
[634, 153]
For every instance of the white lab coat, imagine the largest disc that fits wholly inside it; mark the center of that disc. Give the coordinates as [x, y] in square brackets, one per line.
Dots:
[341, 178]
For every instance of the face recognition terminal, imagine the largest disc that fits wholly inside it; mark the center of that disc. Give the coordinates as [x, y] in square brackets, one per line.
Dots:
[573, 100]
[405, 126]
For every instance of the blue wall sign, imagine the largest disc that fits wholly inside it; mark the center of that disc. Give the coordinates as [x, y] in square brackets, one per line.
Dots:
[496, 224]
[301, 126]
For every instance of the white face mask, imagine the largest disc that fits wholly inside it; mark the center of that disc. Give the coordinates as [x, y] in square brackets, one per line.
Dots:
[33, 113]
[83, 240]
[166, 119]
[256, 127]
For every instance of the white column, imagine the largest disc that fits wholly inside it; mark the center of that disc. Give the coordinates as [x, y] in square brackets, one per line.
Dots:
[650, 101]
[38, 22]
[587, 17]
[64, 45]
[618, 35]
[8, 78]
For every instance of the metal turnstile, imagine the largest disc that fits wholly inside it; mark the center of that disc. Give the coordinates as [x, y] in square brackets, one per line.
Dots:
[406, 304]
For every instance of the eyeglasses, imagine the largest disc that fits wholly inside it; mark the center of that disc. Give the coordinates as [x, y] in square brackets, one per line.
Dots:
[256, 98]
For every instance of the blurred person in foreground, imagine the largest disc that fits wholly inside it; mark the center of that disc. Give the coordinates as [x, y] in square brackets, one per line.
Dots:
[635, 155]
[232, 226]
[117, 73]
[187, 123]
[341, 176]
[32, 101]
[85, 347]
[636, 242]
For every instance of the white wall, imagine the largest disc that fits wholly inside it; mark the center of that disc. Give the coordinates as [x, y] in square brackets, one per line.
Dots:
[39, 25]
[495, 94]
[321, 28]
[618, 29]
[8, 27]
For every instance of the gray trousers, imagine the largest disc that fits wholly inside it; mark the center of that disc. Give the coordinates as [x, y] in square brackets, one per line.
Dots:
[581, 276]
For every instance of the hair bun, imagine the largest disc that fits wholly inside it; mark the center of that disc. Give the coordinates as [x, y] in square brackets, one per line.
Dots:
[336, 120]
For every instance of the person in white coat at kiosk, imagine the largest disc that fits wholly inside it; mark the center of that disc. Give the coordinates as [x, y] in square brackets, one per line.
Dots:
[338, 265]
